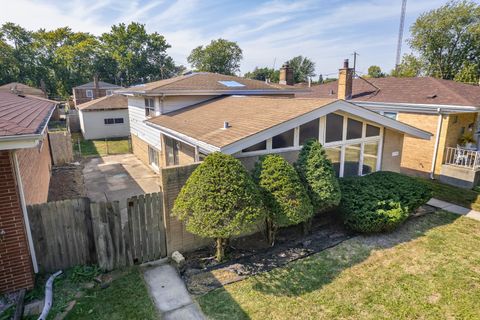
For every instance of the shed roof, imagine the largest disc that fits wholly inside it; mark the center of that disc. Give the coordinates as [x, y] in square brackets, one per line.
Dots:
[112, 102]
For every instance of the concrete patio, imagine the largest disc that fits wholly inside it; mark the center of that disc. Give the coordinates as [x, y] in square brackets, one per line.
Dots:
[118, 177]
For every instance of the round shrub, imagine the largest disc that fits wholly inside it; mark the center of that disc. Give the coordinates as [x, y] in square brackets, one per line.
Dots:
[284, 196]
[219, 200]
[380, 201]
[317, 174]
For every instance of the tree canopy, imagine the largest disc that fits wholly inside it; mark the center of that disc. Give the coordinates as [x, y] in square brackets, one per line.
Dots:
[220, 56]
[303, 68]
[375, 72]
[263, 74]
[219, 200]
[447, 43]
[63, 59]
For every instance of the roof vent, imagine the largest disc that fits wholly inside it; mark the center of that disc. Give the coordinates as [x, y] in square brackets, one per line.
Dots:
[231, 84]
[330, 92]
[226, 125]
[432, 96]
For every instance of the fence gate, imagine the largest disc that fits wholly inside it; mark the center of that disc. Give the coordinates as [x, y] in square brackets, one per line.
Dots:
[146, 227]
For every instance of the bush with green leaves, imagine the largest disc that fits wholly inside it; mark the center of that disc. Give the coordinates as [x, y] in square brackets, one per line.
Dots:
[317, 174]
[380, 201]
[284, 195]
[219, 200]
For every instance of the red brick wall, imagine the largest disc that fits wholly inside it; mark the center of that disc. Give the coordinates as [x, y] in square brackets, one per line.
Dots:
[35, 167]
[16, 271]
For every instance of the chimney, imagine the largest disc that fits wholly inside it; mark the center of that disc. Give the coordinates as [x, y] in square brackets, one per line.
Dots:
[95, 82]
[286, 75]
[345, 81]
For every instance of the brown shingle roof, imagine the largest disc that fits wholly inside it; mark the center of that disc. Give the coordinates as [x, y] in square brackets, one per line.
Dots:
[23, 115]
[101, 85]
[246, 116]
[421, 90]
[205, 81]
[21, 88]
[113, 102]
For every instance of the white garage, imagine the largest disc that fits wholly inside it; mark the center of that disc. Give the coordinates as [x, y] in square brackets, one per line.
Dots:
[106, 117]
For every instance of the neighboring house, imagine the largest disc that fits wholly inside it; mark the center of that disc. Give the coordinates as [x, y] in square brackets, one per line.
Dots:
[446, 109]
[20, 88]
[25, 166]
[181, 120]
[93, 90]
[105, 117]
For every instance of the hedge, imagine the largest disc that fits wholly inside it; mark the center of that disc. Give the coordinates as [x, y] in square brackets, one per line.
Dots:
[380, 201]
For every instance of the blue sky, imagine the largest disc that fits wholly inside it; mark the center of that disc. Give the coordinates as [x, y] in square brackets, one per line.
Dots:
[325, 31]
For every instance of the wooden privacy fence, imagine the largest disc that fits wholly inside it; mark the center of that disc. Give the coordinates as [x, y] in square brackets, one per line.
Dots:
[74, 232]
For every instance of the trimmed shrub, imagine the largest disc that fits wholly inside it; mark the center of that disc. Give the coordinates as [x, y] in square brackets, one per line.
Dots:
[317, 174]
[380, 201]
[219, 200]
[284, 196]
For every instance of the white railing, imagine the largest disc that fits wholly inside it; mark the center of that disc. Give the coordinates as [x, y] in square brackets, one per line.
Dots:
[462, 158]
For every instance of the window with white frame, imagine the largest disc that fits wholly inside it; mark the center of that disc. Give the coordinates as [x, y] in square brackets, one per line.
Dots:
[89, 93]
[109, 121]
[149, 107]
[352, 144]
[109, 92]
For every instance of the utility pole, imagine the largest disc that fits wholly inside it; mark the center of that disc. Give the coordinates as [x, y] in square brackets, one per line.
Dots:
[400, 34]
[355, 54]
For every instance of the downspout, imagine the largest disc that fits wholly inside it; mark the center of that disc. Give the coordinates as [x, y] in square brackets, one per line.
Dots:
[437, 142]
[25, 213]
[162, 98]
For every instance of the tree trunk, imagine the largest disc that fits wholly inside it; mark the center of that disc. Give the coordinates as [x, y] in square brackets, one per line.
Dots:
[220, 246]
[307, 226]
[270, 231]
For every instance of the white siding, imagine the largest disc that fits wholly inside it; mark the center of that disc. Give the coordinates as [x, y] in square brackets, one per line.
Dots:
[93, 126]
[173, 103]
[136, 113]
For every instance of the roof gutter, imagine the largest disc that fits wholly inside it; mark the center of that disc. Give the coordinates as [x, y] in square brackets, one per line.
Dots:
[208, 92]
[413, 107]
[204, 147]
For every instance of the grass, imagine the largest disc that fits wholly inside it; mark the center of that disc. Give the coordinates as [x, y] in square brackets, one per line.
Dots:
[126, 297]
[463, 197]
[427, 269]
[100, 147]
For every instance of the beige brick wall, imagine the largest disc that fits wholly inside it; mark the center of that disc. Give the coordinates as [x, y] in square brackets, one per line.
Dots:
[393, 144]
[417, 153]
[178, 238]
[16, 271]
[35, 166]
[140, 150]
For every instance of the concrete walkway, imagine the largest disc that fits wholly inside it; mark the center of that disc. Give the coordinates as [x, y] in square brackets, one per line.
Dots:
[170, 294]
[447, 206]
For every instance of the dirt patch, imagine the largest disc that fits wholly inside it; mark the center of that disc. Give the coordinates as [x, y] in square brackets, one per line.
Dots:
[66, 183]
[252, 255]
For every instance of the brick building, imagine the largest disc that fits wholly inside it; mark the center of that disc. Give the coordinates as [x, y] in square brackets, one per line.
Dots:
[446, 109]
[93, 90]
[25, 166]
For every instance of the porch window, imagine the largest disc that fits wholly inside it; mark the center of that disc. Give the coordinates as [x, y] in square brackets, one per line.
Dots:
[171, 151]
[334, 128]
[335, 154]
[256, 147]
[354, 129]
[309, 130]
[283, 140]
[370, 155]
[372, 131]
[153, 157]
[352, 160]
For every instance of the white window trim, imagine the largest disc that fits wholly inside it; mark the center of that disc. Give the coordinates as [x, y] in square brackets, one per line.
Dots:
[342, 144]
[87, 93]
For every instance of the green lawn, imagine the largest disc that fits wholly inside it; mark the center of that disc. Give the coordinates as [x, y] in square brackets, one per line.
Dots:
[463, 197]
[100, 147]
[125, 298]
[428, 269]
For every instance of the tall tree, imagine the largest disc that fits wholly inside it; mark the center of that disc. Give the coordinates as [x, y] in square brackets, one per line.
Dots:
[375, 72]
[220, 56]
[138, 55]
[448, 37]
[263, 74]
[303, 68]
[410, 66]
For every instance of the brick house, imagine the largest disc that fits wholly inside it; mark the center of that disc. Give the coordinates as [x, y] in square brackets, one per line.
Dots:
[181, 120]
[93, 90]
[25, 166]
[446, 109]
